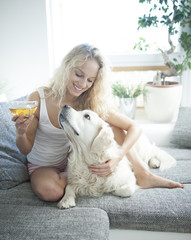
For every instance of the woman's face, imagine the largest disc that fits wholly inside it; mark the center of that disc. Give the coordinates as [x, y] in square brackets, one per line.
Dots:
[81, 78]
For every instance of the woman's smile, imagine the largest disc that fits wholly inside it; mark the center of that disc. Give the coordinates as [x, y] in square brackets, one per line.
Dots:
[77, 88]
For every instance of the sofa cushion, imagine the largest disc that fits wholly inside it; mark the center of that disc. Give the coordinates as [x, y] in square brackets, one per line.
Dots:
[157, 209]
[181, 134]
[13, 168]
[26, 222]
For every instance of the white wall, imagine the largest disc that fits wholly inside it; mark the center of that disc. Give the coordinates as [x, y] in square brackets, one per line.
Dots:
[186, 94]
[24, 63]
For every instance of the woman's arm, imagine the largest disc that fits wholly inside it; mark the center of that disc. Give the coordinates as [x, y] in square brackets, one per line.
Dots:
[126, 133]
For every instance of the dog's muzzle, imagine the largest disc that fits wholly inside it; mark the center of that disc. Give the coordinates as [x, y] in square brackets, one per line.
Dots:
[64, 118]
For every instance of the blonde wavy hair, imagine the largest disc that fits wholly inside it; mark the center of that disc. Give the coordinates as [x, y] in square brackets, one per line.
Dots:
[96, 98]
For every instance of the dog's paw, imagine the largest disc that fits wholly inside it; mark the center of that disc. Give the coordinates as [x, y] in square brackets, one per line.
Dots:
[125, 190]
[66, 203]
[154, 163]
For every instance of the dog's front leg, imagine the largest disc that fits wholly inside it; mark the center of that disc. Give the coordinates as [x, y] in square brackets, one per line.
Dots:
[69, 198]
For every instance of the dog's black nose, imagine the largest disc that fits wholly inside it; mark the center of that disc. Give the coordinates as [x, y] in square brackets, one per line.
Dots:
[63, 114]
[64, 111]
[66, 106]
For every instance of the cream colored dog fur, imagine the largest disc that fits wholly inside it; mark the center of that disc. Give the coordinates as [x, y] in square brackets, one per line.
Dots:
[92, 142]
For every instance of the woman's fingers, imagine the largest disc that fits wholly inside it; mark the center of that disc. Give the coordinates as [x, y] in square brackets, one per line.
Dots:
[21, 123]
[103, 169]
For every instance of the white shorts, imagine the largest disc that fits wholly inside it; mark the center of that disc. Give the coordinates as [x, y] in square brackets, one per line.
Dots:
[60, 166]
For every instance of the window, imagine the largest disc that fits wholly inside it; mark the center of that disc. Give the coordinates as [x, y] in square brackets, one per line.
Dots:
[110, 25]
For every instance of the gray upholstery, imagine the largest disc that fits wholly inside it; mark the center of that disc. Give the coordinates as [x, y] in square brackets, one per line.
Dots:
[182, 130]
[27, 222]
[24, 216]
[13, 170]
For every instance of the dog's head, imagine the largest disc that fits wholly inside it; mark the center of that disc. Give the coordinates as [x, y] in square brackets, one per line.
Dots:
[85, 129]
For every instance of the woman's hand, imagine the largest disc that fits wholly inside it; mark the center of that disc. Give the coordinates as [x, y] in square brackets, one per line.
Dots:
[21, 123]
[106, 168]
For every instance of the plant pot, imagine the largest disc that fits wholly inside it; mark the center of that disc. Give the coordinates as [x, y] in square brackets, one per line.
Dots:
[162, 102]
[127, 106]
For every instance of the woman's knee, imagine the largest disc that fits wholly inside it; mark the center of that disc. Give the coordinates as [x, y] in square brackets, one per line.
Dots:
[48, 187]
[48, 191]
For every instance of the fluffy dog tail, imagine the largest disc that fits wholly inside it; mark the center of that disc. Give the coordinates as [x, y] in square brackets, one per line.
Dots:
[161, 159]
[153, 156]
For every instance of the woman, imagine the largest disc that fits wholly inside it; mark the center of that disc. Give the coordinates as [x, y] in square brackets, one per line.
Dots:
[80, 82]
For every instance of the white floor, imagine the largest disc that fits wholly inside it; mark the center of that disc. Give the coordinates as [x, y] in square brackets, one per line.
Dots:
[116, 234]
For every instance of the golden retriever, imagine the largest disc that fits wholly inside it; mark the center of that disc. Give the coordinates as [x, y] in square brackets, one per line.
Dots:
[92, 142]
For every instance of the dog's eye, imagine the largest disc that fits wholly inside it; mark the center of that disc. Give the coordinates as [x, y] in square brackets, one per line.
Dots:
[87, 116]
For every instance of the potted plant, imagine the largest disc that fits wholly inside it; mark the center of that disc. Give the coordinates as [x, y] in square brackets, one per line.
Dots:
[127, 97]
[163, 99]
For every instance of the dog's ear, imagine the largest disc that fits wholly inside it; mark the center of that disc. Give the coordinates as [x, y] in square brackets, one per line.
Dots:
[103, 140]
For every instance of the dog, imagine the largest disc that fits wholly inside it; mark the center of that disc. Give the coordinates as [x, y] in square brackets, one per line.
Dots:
[92, 142]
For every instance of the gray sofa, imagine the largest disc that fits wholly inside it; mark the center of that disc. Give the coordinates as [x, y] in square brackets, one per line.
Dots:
[24, 216]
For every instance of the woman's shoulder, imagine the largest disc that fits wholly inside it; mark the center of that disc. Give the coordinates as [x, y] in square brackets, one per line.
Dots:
[42, 92]
[34, 96]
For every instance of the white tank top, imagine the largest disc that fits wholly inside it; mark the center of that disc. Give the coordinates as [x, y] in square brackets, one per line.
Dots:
[51, 144]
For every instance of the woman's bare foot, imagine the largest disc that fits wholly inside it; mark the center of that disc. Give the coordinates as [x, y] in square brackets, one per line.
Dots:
[149, 180]
[145, 178]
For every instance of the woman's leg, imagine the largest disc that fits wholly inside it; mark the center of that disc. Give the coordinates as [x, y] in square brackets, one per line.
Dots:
[48, 183]
[145, 178]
